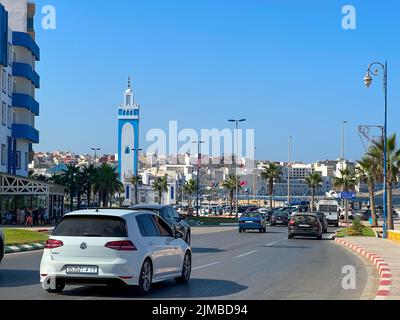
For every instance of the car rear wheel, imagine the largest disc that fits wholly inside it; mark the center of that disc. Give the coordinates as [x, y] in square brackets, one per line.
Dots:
[146, 278]
[186, 269]
[240, 230]
[58, 288]
[290, 236]
[319, 237]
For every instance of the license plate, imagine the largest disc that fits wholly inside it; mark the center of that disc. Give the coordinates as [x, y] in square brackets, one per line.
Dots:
[279, 222]
[249, 221]
[304, 225]
[82, 270]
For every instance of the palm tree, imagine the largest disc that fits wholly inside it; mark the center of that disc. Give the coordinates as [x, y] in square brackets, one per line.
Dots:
[314, 180]
[368, 172]
[80, 187]
[190, 188]
[135, 180]
[70, 182]
[230, 185]
[271, 174]
[107, 183]
[90, 173]
[393, 160]
[347, 182]
[160, 185]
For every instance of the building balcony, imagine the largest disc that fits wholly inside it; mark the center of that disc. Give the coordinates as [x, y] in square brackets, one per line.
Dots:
[21, 100]
[25, 70]
[25, 40]
[25, 132]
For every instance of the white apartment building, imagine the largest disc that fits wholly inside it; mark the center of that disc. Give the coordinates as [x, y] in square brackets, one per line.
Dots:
[18, 83]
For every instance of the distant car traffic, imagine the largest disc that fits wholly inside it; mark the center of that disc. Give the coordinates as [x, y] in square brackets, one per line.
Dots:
[2, 245]
[305, 225]
[252, 221]
[330, 207]
[114, 247]
[266, 213]
[280, 218]
[324, 222]
[363, 215]
[171, 216]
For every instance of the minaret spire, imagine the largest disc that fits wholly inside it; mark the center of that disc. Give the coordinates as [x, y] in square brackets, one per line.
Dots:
[129, 82]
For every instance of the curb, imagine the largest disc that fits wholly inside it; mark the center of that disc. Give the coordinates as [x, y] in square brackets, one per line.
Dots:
[23, 248]
[380, 264]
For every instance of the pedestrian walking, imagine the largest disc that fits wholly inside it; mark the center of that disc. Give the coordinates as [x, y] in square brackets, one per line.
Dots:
[29, 218]
[36, 217]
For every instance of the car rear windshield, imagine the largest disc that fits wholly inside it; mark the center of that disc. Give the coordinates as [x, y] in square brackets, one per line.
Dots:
[252, 215]
[89, 226]
[281, 213]
[301, 219]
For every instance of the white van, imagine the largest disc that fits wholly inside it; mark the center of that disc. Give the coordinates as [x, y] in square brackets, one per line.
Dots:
[330, 207]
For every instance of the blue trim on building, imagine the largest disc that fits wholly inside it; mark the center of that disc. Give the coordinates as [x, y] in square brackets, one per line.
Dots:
[25, 70]
[3, 36]
[135, 125]
[26, 132]
[23, 39]
[22, 100]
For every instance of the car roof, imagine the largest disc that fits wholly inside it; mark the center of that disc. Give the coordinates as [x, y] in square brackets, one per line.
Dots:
[313, 214]
[149, 206]
[106, 212]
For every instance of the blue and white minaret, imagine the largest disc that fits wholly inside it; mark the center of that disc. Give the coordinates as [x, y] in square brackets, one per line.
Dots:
[128, 139]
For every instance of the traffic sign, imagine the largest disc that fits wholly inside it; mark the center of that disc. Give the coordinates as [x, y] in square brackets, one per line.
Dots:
[348, 195]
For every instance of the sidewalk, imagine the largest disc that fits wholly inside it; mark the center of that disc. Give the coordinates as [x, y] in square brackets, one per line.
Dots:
[382, 252]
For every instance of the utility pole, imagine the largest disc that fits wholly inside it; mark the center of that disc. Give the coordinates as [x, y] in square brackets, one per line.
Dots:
[198, 174]
[288, 171]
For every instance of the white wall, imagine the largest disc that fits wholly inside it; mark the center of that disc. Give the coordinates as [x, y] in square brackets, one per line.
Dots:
[17, 13]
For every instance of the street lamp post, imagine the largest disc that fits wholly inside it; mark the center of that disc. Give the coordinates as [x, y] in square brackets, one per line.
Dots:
[136, 150]
[288, 171]
[198, 174]
[367, 81]
[343, 137]
[236, 166]
[95, 153]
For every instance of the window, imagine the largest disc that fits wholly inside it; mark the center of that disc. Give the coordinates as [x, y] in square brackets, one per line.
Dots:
[164, 229]
[90, 226]
[10, 85]
[18, 160]
[9, 116]
[4, 113]
[9, 52]
[128, 100]
[4, 81]
[146, 226]
[3, 155]
[166, 214]
[26, 161]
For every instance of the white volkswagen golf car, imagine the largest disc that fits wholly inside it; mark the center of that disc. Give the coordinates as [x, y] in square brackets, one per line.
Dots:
[114, 247]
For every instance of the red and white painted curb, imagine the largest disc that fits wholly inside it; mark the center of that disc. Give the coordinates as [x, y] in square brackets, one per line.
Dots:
[383, 268]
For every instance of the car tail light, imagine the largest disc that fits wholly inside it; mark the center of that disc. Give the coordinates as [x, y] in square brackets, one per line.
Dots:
[291, 222]
[53, 244]
[121, 245]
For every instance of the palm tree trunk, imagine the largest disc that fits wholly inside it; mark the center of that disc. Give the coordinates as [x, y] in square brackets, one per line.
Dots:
[271, 191]
[372, 206]
[88, 194]
[390, 208]
[159, 197]
[79, 199]
[190, 200]
[71, 201]
[136, 193]
[231, 202]
[312, 199]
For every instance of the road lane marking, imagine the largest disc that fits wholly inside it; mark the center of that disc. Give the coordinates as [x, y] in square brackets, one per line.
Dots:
[206, 265]
[271, 244]
[246, 254]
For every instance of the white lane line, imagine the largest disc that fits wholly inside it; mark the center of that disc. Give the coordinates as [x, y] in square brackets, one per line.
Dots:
[206, 265]
[271, 244]
[246, 254]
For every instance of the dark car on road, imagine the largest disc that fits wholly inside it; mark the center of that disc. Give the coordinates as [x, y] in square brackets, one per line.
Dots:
[363, 215]
[252, 221]
[280, 218]
[305, 225]
[171, 216]
[324, 222]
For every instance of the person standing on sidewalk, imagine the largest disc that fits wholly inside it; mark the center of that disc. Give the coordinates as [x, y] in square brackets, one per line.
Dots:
[36, 217]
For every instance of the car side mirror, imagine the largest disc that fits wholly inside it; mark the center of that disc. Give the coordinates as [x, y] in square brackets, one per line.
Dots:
[179, 235]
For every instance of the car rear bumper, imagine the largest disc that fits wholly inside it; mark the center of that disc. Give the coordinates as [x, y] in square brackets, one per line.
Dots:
[250, 226]
[305, 232]
[120, 270]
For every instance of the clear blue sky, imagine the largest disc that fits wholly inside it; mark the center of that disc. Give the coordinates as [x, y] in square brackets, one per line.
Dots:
[286, 66]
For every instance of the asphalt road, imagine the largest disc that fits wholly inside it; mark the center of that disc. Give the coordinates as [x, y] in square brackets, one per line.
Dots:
[226, 265]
